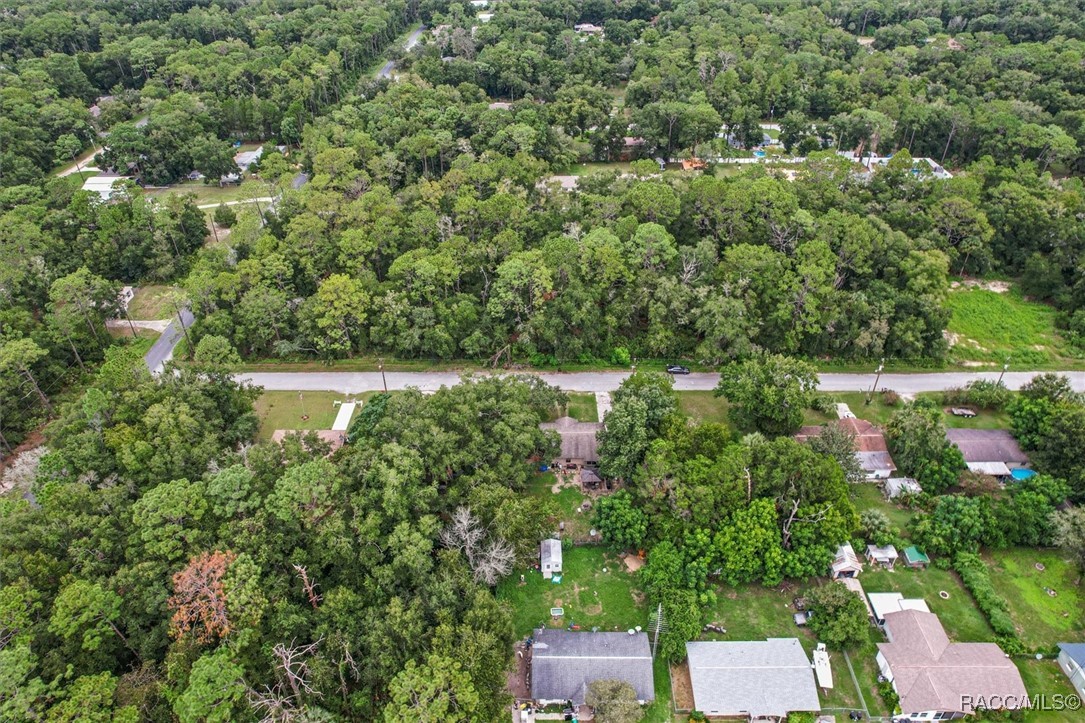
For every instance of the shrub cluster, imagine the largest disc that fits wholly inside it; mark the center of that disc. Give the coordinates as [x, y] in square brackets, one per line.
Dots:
[974, 576]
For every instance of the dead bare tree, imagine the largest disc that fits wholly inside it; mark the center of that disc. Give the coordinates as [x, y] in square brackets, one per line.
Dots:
[308, 585]
[294, 668]
[489, 560]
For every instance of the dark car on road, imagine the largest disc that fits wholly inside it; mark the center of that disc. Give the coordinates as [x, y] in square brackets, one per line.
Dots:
[677, 369]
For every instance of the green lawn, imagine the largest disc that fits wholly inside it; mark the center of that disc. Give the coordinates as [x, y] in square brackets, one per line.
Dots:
[284, 410]
[991, 326]
[703, 406]
[1045, 678]
[151, 303]
[569, 500]
[212, 193]
[877, 412]
[581, 407]
[590, 597]
[583, 169]
[867, 495]
[959, 614]
[1041, 620]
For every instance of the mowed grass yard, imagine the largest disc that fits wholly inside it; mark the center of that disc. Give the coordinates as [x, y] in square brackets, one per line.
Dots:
[991, 327]
[595, 591]
[703, 406]
[1041, 620]
[284, 410]
[581, 407]
[1045, 678]
[150, 303]
[212, 193]
[959, 615]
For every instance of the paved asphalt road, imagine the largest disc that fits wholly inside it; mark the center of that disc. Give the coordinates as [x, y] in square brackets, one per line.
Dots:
[162, 350]
[412, 40]
[357, 382]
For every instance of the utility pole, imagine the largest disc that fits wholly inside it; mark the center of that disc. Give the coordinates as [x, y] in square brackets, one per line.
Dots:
[301, 399]
[1005, 367]
[877, 380]
[384, 381]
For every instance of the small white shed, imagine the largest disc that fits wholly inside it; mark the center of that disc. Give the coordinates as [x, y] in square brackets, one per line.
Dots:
[550, 558]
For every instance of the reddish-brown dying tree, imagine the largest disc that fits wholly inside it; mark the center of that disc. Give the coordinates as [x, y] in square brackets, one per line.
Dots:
[199, 600]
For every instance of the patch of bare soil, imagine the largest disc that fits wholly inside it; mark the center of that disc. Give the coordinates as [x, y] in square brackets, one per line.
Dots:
[517, 678]
[682, 686]
[632, 562]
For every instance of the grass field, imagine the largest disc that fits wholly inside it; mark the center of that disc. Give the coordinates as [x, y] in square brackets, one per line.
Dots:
[959, 614]
[212, 193]
[583, 169]
[151, 303]
[581, 407]
[703, 406]
[868, 496]
[1045, 678]
[284, 410]
[124, 332]
[568, 499]
[589, 596]
[877, 411]
[991, 326]
[1041, 620]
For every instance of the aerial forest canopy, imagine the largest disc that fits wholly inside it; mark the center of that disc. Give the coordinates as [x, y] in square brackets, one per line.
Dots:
[167, 566]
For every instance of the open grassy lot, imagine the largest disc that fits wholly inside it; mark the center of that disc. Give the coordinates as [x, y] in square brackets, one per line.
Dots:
[1042, 620]
[583, 169]
[1045, 678]
[959, 614]
[590, 597]
[569, 499]
[867, 495]
[581, 407]
[213, 193]
[125, 332]
[284, 410]
[877, 412]
[151, 303]
[991, 326]
[703, 406]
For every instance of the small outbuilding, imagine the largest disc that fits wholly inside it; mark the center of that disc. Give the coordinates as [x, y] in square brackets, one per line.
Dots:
[846, 563]
[550, 558]
[896, 486]
[914, 557]
[884, 556]
[883, 603]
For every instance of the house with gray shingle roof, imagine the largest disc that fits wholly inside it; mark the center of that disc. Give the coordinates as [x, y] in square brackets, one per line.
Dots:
[579, 444]
[1072, 662]
[564, 663]
[988, 451]
[752, 679]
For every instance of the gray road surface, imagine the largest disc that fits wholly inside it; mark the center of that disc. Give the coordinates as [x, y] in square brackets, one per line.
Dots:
[162, 351]
[412, 40]
[357, 382]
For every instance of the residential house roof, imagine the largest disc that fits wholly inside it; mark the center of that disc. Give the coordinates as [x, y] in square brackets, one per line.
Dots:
[884, 603]
[931, 673]
[578, 439]
[987, 445]
[756, 678]
[564, 663]
[870, 446]
[550, 551]
[1075, 651]
[102, 185]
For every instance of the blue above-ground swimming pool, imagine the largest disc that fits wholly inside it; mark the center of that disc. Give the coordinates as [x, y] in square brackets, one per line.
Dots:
[759, 154]
[1022, 473]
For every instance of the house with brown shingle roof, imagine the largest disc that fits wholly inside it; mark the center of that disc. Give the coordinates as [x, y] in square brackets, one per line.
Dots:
[870, 447]
[937, 679]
